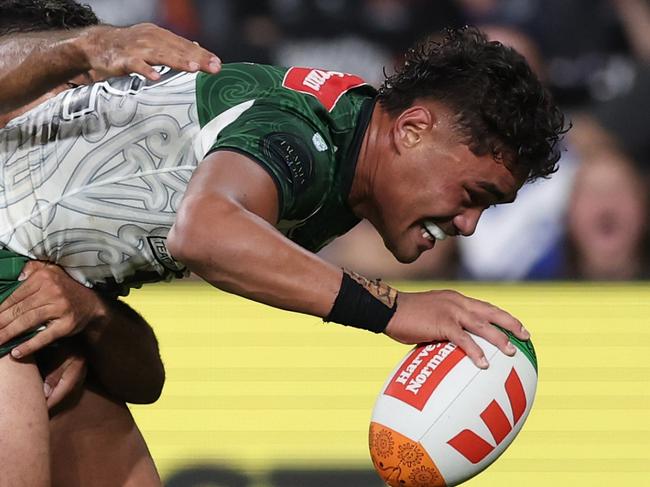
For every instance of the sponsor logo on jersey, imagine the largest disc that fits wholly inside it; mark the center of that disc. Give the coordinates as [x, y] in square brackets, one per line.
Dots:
[475, 448]
[422, 372]
[327, 86]
[292, 155]
[163, 257]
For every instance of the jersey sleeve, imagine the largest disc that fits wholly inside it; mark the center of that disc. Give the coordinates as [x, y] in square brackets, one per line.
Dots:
[291, 149]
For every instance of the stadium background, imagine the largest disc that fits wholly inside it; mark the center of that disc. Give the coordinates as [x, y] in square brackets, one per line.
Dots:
[258, 397]
[254, 393]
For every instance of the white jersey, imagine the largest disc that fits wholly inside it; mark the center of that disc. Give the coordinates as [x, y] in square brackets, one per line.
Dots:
[91, 180]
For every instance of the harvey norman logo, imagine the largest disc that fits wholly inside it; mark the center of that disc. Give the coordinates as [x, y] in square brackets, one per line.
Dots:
[422, 372]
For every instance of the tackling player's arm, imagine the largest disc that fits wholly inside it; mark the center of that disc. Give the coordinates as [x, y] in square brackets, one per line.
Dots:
[119, 344]
[34, 63]
[224, 233]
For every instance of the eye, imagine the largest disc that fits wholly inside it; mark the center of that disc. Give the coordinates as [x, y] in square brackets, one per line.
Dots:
[478, 199]
[72, 85]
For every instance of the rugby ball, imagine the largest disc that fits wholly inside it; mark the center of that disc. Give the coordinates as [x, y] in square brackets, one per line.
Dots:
[440, 420]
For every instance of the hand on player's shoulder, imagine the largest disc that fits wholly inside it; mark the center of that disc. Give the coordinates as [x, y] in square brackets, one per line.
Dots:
[115, 51]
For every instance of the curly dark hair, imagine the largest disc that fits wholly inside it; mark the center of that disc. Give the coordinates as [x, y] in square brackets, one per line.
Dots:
[500, 105]
[43, 15]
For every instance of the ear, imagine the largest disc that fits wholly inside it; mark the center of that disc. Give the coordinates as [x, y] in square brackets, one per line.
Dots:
[411, 126]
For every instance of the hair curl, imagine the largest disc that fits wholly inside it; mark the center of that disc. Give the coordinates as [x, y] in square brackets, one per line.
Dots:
[43, 15]
[501, 107]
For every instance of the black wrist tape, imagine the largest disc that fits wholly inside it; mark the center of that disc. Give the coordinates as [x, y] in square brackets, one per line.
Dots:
[356, 306]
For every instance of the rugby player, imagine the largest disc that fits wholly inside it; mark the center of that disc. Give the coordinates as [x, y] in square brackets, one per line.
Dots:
[289, 159]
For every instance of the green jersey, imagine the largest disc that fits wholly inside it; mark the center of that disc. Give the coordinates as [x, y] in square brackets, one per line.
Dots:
[304, 126]
[92, 179]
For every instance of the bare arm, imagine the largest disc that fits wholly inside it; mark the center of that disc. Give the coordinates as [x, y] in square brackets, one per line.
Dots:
[224, 233]
[34, 63]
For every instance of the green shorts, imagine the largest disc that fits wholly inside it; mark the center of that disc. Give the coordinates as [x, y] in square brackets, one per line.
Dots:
[11, 264]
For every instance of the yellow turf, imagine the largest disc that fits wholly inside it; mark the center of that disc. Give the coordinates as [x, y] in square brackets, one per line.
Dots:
[255, 388]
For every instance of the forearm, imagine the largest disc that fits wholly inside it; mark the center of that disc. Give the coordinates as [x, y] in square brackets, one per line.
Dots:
[123, 354]
[239, 252]
[33, 64]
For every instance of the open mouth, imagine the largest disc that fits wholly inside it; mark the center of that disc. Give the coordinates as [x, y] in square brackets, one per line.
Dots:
[432, 232]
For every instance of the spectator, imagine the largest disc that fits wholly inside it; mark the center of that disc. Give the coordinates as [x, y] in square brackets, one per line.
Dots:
[588, 44]
[607, 234]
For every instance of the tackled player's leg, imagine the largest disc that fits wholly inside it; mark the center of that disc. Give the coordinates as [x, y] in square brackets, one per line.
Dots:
[24, 428]
[96, 443]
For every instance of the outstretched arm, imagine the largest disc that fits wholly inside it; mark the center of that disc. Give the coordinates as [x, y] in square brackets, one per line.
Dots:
[224, 233]
[34, 63]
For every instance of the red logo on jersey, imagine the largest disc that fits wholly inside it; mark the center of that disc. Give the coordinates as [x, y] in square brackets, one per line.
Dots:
[327, 86]
[475, 448]
[423, 370]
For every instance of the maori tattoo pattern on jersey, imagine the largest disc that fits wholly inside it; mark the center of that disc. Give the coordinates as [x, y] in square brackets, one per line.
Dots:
[92, 173]
[379, 289]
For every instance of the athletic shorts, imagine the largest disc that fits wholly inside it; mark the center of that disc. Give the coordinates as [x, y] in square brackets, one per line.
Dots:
[11, 264]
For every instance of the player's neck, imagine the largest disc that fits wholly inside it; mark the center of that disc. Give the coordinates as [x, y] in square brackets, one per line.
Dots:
[375, 143]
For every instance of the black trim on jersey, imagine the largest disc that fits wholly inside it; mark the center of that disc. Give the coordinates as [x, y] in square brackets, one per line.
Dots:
[349, 165]
[260, 163]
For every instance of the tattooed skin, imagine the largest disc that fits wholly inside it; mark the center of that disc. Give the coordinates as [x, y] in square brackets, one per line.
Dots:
[380, 290]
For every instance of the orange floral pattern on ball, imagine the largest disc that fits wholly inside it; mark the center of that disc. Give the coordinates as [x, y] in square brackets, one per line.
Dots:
[400, 461]
[382, 443]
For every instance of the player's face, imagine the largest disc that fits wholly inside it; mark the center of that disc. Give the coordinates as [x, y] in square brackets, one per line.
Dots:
[437, 186]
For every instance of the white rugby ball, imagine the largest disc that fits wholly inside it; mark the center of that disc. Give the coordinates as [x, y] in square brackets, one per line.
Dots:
[440, 420]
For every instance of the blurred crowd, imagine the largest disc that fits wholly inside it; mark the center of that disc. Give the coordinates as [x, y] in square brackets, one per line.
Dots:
[591, 220]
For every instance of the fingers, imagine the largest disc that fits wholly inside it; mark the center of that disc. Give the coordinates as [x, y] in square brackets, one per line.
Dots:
[24, 323]
[470, 347]
[505, 320]
[24, 310]
[141, 67]
[189, 55]
[64, 380]
[7, 308]
[449, 315]
[42, 339]
[160, 46]
[492, 334]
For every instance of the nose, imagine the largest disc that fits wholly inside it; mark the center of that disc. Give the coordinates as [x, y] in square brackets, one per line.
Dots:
[466, 221]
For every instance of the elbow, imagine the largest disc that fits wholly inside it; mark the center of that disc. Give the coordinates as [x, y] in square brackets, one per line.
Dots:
[200, 222]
